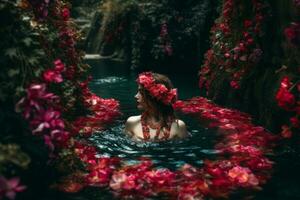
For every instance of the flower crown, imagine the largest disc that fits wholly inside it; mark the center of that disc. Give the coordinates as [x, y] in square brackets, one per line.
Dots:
[157, 90]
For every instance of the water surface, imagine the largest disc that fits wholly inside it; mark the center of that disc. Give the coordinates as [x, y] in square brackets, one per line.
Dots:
[172, 154]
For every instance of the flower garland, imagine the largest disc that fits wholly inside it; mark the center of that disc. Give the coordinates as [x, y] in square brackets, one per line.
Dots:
[158, 91]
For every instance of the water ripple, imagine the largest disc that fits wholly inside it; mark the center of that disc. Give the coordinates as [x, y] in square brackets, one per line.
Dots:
[193, 150]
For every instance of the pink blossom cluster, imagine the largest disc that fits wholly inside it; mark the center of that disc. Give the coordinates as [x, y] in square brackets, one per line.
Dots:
[158, 91]
[142, 180]
[99, 169]
[10, 187]
[54, 75]
[244, 144]
[42, 109]
[45, 118]
[289, 102]
[97, 173]
[103, 111]
[284, 97]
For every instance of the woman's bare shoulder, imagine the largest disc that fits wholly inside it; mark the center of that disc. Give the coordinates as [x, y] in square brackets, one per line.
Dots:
[131, 123]
[133, 120]
[180, 123]
[180, 129]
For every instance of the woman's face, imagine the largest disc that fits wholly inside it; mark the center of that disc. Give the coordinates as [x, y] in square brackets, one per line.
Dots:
[141, 105]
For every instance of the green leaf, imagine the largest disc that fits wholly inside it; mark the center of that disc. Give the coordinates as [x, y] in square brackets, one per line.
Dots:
[13, 72]
[27, 41]
[11, 52]
[33, 61]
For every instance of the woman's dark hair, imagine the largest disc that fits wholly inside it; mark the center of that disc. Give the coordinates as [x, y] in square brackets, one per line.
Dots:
[163, 113]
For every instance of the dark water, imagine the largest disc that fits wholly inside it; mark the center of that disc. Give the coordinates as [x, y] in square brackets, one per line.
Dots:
[171, 154]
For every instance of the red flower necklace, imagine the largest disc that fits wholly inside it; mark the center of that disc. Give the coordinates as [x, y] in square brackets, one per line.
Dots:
[146, 130]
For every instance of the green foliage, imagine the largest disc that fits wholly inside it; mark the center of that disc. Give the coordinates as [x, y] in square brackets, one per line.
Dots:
[20, 52]
[154, 30]
[12, 155]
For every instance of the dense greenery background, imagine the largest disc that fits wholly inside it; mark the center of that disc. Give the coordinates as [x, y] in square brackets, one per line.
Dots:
[159, 35]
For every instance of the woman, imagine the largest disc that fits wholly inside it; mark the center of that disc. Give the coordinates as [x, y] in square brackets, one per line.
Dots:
[155, 97]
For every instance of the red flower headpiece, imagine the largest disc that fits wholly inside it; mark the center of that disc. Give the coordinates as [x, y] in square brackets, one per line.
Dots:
[156, 90]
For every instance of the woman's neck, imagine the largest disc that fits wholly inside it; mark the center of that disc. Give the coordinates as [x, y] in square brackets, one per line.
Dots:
[152, 116]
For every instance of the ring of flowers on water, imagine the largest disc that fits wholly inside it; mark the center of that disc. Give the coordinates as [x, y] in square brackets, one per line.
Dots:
[157, 90]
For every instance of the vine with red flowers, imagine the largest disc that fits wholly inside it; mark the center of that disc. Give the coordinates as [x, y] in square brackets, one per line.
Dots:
[249, 54]
[56, 102]
[288, 94]
[235, 49]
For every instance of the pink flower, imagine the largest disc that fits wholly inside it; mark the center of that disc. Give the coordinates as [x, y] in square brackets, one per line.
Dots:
[117, 180]
[227, 55]
[9, 187]
[243, 176]
[285, 99]
[98, 177]
[234, 84]
[44, 120]
[59, 66]
[60, 137]
[168, 49]
[286, 132]
[52, 76]
[247, 23]
[65, 14]
[295, 122]
[292, 33]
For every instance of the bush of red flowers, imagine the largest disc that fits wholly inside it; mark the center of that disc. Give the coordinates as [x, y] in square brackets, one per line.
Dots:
[53, 97]
[256, 63]
[288, 93]
[235, 49]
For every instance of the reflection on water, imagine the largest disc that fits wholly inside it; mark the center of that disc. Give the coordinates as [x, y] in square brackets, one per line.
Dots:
[171, 154]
